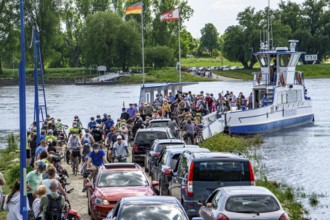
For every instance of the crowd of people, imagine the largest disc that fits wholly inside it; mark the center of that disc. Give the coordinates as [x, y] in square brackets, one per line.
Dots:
[105, 140]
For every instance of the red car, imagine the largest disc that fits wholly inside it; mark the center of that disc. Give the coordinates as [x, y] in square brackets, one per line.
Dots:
[113, 182]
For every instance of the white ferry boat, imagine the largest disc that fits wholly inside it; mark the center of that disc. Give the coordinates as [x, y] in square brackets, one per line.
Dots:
[288, 104]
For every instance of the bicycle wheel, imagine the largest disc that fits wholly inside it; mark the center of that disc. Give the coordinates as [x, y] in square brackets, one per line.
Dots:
[77, 165]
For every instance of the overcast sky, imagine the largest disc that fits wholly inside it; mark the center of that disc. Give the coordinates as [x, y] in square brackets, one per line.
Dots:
[222, 13]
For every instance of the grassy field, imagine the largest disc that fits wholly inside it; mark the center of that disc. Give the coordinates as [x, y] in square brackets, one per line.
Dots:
[169, 73]
[160, 76]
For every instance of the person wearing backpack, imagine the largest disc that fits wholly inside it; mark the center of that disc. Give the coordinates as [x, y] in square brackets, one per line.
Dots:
[52, 204]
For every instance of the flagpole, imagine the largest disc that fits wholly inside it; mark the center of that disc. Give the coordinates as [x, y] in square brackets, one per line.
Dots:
[143, 74]
[179, 49]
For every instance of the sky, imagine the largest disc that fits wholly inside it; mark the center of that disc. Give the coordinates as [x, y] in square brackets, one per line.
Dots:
[222, 13]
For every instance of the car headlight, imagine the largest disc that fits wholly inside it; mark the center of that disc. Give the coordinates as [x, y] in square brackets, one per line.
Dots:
[99, 201]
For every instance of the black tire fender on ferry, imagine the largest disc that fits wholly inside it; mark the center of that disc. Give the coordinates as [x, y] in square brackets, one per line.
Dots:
[282, 81]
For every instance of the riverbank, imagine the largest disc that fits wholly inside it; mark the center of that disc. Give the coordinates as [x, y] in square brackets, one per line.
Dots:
[68, 76]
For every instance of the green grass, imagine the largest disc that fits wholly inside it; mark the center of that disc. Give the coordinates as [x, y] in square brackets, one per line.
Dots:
[161, 76]
[315, 71]
[287, 195]
[207, 62]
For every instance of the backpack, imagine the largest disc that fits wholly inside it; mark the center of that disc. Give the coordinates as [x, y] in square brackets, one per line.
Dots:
[54, 209]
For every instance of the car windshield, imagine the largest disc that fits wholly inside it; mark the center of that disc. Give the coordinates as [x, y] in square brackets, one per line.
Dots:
[158, 124]
[122, 178]
[252, 204]
[150, 136]
[151, 212]
[225, 171]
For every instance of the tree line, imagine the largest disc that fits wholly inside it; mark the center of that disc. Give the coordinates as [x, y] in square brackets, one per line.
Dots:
[76, 33]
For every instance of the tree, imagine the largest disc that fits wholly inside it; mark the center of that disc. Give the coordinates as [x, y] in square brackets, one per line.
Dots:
[159, 56]
[8, 38]
[109, 41]
[45, 16]
[209, 39]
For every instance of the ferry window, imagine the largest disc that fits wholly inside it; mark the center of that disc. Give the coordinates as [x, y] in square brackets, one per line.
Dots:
[294, 59]
[294, 95]
[299, 96]
[263, 60]
[284, 97]
[284, 60]
[289, 97]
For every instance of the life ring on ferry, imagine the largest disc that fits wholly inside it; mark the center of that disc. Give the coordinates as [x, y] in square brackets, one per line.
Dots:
[259, 77]
[299, 79]
[282, 81]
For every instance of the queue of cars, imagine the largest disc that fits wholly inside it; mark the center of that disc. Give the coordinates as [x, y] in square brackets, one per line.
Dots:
[192, 183]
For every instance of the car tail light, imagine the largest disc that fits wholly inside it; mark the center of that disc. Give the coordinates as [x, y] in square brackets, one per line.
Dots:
[284, 216]
[222, 217]
[136, 148]
[253, 183]
[190, 180]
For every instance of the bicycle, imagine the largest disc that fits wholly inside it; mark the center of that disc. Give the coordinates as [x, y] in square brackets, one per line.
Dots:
[75, 161]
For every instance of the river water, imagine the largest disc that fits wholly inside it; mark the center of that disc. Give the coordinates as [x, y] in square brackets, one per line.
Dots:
[297, 156]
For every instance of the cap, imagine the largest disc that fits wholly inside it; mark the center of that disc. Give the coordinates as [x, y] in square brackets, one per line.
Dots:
[119, 137]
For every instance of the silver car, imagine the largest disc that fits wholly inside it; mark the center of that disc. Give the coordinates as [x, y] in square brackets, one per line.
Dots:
[242, 202]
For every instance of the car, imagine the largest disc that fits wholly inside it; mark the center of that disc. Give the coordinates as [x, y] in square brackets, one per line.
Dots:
[156, 148]
[144, 139]
[148, 208]
[159, 123]
[242, 202]
[196, 175]
[114, 181]
[166, 163]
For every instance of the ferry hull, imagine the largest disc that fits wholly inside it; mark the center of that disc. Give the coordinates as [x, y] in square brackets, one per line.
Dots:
[271, 126]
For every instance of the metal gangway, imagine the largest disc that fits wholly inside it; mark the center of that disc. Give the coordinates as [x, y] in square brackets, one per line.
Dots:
[40, 104]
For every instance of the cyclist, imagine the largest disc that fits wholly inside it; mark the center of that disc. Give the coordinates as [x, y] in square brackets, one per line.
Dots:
[98, 119]
[74, 146]
[96, 158]
[87, 136]
[79, 124]
[50, 135]
[120, 150]
[97, 133]
[108, 124]
[91, 125]
[75, 128]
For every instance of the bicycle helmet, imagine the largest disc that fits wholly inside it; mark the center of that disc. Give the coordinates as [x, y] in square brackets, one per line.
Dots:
[96, 146]
[76, 116]
[41, 165]
[56, 159]
[98, 116]
[86, 141]
[92, 118]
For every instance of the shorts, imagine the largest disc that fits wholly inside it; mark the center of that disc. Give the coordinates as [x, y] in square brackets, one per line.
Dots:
[76, 153]
[28, 153]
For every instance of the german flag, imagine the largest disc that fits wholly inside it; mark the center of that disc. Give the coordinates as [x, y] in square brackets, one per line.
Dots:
[134, 9]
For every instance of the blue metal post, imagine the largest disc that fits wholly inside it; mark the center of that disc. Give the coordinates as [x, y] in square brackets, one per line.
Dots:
[22, 117]
[36, 86]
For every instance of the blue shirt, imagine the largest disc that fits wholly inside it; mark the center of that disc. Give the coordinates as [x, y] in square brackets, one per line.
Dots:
[92, 124]
[172, 98]
[265, 101]
[39, 150]
[108, 124]
[131, 112]
[97, 159]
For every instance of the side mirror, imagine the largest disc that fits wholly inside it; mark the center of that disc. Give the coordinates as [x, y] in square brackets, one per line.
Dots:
[168, 172]
[201, 203]
[155, 183]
